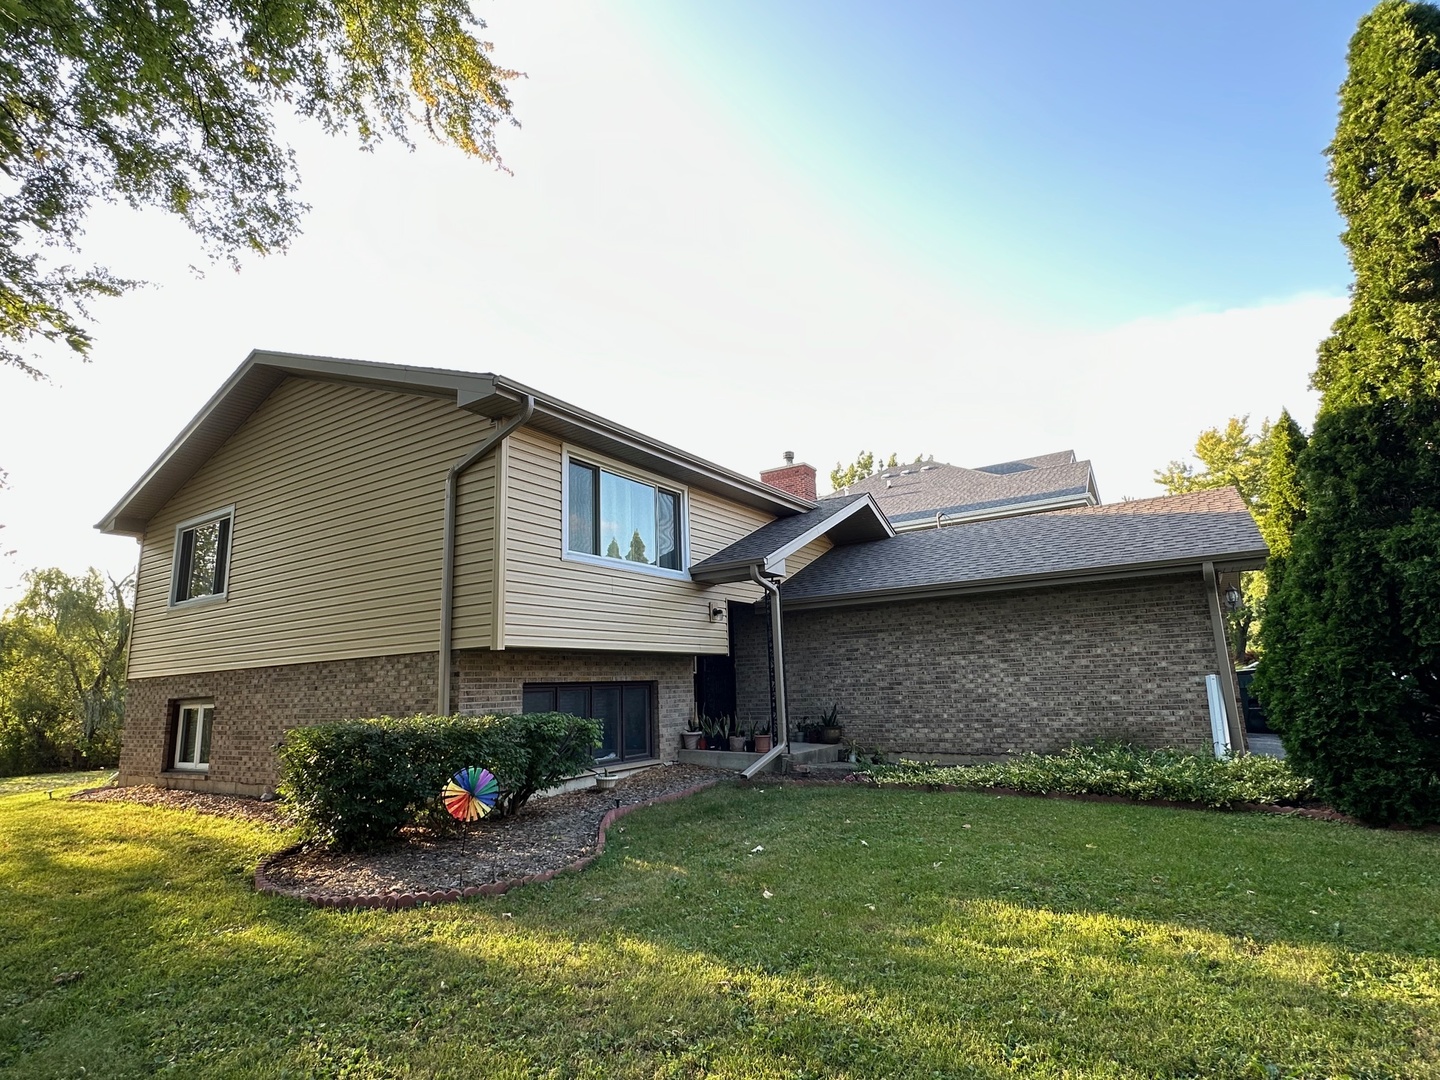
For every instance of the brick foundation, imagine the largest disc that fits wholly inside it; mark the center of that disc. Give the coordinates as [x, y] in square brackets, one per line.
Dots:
[255, 706]
[997, 673]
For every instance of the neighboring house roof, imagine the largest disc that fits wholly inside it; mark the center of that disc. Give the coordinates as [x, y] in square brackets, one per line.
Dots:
[846, 520]
[1119, 540]
[489, 395]
[912, 495]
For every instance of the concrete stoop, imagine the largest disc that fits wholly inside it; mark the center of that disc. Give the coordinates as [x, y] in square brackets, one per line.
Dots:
[807, 754]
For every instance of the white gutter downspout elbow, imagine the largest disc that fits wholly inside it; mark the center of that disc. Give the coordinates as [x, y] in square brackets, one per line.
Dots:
[783, 735]
[447, 557]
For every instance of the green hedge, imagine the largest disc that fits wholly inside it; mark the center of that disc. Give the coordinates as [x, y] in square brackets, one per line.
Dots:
[1120, 770]
[356, 783]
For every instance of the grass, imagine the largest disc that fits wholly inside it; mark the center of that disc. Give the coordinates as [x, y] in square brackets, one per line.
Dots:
[61, 781]
[878, 933]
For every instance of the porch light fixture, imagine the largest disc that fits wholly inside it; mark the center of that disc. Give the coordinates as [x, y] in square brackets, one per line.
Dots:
[1232, 598]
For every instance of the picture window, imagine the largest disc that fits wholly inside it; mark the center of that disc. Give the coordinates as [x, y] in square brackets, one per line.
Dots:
[614, 518]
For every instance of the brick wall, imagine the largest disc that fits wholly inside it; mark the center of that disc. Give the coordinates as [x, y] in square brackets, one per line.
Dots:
[254, 706]
[998, 673]
[492, 682]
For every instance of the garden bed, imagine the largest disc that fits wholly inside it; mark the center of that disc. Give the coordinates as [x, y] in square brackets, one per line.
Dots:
[548, 836]
[242, 807]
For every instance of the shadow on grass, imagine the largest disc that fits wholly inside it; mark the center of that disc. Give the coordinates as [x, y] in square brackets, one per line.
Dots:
[1037, 942]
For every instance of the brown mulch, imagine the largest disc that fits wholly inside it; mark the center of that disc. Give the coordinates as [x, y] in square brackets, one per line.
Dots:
[198, 802]
[548, 835]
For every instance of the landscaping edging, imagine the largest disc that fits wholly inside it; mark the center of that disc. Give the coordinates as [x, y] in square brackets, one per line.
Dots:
[397, 901]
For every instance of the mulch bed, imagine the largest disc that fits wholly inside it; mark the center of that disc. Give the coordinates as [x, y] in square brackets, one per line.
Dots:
[549, 836]
[198, 802]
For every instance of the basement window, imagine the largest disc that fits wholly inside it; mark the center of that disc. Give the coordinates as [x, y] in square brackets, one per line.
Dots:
[193, 721]
[614, 519]
[202, 558]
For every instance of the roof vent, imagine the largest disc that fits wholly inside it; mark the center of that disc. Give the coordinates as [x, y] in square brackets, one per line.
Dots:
[926, 468]
[888, 481]
[789, 457]
[906, 472]
[888, 475]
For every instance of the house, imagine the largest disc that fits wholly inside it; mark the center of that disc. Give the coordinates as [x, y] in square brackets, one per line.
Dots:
[929, 494]
[330, 538]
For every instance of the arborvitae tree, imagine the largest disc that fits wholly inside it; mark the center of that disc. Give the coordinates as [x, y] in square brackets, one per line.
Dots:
[637, 549]
[1351, 675]
[1284, 503]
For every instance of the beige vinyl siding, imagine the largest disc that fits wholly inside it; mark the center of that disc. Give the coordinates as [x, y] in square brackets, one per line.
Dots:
[806, 555]
[338, 493]
[551, 602]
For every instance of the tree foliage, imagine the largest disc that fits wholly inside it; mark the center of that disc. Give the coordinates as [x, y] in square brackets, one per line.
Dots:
[1351, 676]
[865, 466]
[171, 105]
[62, 672]
[1232, 456]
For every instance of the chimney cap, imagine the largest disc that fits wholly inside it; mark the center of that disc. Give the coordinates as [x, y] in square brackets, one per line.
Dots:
[789, 457]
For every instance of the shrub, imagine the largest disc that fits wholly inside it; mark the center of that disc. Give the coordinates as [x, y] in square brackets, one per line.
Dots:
[1119, 770]
[356, 783]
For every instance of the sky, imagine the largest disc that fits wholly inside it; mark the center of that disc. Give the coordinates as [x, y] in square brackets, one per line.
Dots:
[971, 230]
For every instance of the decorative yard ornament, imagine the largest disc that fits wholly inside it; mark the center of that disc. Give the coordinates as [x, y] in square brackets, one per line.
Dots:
[471, 794]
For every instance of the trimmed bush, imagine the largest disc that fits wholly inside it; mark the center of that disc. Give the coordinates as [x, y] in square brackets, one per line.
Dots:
[1120, 770]
[356, 783]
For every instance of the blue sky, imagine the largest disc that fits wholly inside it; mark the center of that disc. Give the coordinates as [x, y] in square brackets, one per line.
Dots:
[1092, 161]
[978, 231]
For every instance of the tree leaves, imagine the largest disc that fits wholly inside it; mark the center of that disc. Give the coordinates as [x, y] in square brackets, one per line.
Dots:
[171, 105]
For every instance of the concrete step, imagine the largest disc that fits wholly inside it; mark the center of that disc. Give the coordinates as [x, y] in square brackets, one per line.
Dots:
[798, 754]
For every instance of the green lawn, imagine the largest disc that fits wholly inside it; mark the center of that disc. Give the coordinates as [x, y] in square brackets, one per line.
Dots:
[57, 782]
[879, 933]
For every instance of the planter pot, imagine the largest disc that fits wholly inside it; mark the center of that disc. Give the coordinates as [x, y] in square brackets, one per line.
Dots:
[830, 735]
[606, 783]
[690, 739]
[763, 743]
[737, 743]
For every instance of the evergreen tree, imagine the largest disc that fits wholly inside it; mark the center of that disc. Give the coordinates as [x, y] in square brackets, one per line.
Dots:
[637, 549]
[1284, 502]
[1351, 675]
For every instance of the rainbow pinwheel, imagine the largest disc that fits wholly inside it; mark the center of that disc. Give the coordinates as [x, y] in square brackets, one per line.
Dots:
[471, 794]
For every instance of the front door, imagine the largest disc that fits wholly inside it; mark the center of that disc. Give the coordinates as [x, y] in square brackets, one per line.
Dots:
[624, 710]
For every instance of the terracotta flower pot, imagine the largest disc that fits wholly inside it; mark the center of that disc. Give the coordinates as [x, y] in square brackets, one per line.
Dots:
[763, 743]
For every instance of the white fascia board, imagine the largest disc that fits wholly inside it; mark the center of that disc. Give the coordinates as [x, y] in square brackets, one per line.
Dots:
[775, 561]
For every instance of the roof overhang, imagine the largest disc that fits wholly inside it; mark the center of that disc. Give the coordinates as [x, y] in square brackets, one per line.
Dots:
[1230, 562]
[484, 394]
[856, 523]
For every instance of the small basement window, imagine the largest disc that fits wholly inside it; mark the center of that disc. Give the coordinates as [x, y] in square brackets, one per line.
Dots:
[202, 557]
[612, 518]
[193, 722]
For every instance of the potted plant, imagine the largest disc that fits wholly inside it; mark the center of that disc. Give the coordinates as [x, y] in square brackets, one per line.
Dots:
[714, 729]
[605, 781]
[830, 725]
[764, 741]
[810, 731]
[737, 737]
[690, 737]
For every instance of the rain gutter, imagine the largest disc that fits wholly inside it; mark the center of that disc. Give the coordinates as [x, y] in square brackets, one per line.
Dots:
[447, 567]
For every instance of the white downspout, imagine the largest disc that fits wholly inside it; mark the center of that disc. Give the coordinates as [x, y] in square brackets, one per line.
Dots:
[783, 735]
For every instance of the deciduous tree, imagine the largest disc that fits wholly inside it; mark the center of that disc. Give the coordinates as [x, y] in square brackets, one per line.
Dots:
[172, 105]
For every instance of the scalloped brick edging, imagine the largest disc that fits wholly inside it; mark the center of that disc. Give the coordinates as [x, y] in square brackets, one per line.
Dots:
[396, 901]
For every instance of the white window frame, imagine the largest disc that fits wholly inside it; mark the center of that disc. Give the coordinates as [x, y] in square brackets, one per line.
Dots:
[180, 530]
[206, 708]
[599, 461]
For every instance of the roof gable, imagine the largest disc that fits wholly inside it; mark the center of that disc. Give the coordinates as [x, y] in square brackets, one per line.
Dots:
[483, 393]
[847, 520]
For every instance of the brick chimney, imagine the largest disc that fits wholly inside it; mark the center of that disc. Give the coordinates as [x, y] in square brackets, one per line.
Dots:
[796, 479]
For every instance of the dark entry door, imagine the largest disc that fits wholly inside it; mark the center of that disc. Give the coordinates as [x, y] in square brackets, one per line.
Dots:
[625, 712]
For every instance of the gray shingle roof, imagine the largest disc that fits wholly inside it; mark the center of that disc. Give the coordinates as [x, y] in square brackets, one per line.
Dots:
[915, 492]
[852, 519]
[1148, 533]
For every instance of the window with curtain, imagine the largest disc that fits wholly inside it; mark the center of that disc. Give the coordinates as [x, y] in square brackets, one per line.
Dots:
[614, 517]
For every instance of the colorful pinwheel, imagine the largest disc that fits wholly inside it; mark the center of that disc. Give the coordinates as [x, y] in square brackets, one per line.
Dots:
[471, 794]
